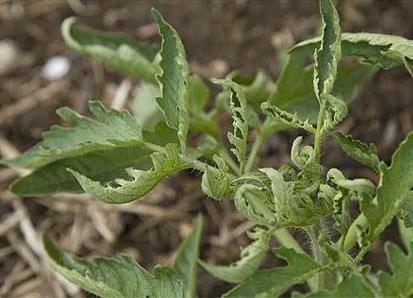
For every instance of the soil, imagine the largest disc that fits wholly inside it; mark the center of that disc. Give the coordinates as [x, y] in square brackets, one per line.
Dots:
[219, 36]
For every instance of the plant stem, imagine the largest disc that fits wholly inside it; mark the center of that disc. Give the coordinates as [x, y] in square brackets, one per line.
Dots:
[230, 161]
[319, 133]
[312, 232]
[256, 146]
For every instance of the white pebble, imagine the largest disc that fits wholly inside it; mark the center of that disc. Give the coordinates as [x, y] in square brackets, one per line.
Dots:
[8, 55]
[55, 68]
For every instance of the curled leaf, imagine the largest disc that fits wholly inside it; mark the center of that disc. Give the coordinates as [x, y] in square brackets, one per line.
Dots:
[251, 258]
[114, 50]
[173, 79]
[362, 152]
[286, 118]
[328, 54]
[138, 183]
[217, 183]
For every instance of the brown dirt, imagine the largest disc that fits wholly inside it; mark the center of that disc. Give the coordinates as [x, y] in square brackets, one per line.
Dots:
[219, 36]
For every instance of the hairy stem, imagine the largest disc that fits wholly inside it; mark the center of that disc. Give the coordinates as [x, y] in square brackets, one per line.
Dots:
[256, 146]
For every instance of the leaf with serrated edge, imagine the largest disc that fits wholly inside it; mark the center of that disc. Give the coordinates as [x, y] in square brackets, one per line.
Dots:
[362, 152]
[108, 129]
[100, 165]
[286, 118]
[384, 50]
[138, 183]
[274, 282]
[113, 50]
[117, 277]
[328, 54]
[395, 184]
[173, 79]
[377, 50]
[251, 259]
[238, 107]
[400, 282]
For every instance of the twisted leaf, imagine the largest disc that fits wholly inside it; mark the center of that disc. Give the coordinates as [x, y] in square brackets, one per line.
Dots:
[362, 152]
[328, 54]
[138, 183]
[251, 258]
[172, 79]
[113, 50]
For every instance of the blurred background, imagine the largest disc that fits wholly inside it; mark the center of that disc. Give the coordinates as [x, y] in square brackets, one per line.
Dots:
[38, 73]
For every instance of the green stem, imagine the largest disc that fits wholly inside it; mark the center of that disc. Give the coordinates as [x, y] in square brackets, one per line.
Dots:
[256, 146]
[230, 161]
[312, 232]
[319, 133]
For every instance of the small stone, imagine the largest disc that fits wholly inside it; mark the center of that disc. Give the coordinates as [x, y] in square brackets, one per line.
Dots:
[55, 68]
[8, 55]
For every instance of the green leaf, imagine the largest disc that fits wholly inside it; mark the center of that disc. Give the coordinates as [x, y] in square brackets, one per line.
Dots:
[354, 286]
[375, 50]
[384, 50]
[328, 54]
[406, 215]
[217, 183]
[301, 99]
[392, 192]
[198, 94]
[254, 200]
[358, 185]
[186, 259]
[301, 157]
[273, 282]
[400, 282]
[173, 79]
[251, 259]
[138, 183]
[238, 107]
[197, 97]
[117, 277]
[257, 89]
[362, 152]
[113, 50]
[335, 111]
[161, 135]
[109, 129]
[144, 106]
[286, 118]
[101, 165]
